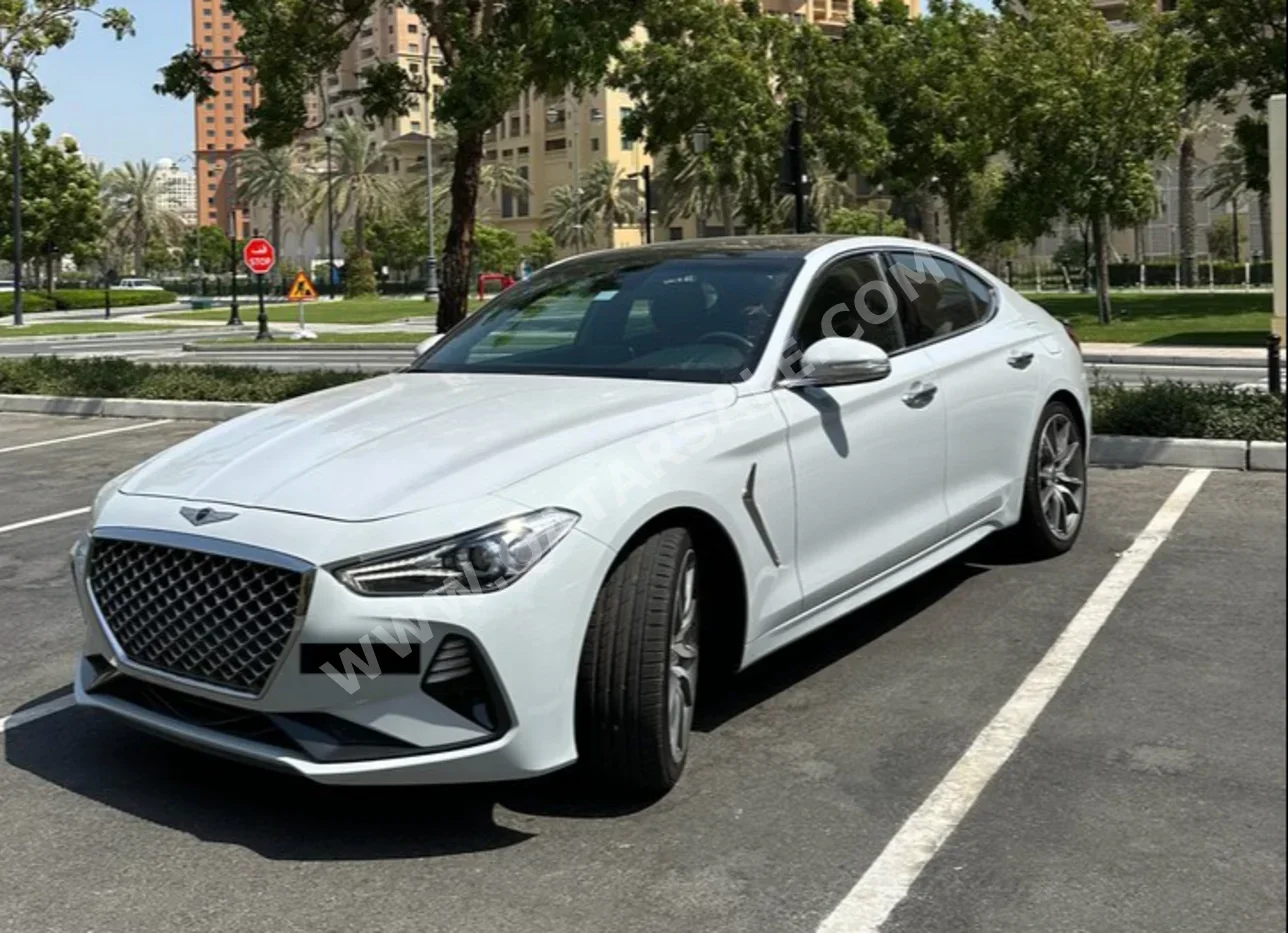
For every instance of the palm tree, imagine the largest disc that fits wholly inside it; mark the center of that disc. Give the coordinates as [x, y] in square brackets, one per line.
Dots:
[359, 175]
[272, 177]
[1228, 182]
[827, 194]
[686, 186]
[132, 196]
[568, 218]
[610, 200]
[1195, 122]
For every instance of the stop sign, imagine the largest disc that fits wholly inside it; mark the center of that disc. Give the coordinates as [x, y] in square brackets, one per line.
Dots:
[260, 256]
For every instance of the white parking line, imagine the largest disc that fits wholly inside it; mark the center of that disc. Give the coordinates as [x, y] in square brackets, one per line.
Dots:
[84, 437]
[33, 522]
[887, 881]
[32, 713]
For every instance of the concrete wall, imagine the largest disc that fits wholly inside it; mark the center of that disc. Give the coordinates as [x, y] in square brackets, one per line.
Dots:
[1279, 209]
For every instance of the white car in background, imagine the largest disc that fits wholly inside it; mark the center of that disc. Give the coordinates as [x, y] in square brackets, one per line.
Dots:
[635, 466]
[137, 285]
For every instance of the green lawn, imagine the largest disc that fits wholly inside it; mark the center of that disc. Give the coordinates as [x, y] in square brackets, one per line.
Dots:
[358, 311]
[1200, 319]
[78, 327]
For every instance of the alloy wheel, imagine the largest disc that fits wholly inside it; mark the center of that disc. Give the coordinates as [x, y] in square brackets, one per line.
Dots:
[1062, 477]
[682, 674]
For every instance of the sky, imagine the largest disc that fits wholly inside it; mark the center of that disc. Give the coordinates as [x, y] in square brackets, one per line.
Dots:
[103, 88]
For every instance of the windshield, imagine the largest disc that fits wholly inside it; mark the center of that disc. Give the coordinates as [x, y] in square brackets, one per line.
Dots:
[692, 319]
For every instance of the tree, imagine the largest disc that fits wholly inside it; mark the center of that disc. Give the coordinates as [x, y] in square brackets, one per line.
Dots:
[1225, 239]
[359, 177]
[491, 53]
[1227, 183]
[401, 240]
[860, 221]
[498, 250]
[495, 176]
[828, 194]
[610, 199]
[929, 86]
[132, 195]
[61, 209]
[712, 64]
[272, 178]
[1239, 47]
[1195, 123]
[208, 245]
[568, 219]
[542, 250]
[1088, 109]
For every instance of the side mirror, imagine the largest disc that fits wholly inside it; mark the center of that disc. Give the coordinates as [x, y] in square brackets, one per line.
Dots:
[840, 361]
[423, 347]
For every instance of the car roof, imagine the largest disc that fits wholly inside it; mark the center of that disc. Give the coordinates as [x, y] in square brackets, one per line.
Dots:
[776, 246]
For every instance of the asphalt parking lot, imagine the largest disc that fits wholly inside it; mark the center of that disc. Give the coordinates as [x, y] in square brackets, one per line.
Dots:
[1147, 795]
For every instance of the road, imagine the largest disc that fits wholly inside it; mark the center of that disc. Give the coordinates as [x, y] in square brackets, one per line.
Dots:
[286, 356]
[1147, 795]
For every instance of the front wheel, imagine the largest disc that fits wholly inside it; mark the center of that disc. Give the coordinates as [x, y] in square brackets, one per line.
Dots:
[638, 677]
[1055, 487]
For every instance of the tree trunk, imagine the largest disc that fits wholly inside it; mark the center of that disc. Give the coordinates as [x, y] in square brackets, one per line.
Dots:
[458, 250]
[49, 274]
[1100, 236]
[950, 201]
[727, 212]
[140, 241]
[275, 230]
[1263, 209]
[359, 231]
[1234, 227]
[1185, 217]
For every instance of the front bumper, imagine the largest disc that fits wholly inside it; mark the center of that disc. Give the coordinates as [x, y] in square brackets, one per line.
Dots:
[378, 726]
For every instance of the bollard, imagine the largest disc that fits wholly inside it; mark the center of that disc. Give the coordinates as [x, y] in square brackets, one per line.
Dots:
[1276, 372]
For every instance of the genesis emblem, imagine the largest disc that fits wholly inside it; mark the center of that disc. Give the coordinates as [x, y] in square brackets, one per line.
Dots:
[207, 516]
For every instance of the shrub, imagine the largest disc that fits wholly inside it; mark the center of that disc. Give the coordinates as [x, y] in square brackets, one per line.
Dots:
[112, 377]
[360, 276]
[1176, 409]
[31, 301]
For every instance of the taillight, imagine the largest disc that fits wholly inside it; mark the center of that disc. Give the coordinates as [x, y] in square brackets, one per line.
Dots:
[1073, 335]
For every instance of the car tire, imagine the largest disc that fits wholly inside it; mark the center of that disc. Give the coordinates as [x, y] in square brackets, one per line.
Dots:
[1055, 486]
[637, 680]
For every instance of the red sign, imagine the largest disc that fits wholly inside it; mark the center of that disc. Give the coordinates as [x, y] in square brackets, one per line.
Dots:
[260, 256]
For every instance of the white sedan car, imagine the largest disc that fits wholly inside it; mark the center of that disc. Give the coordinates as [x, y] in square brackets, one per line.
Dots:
[633, 467]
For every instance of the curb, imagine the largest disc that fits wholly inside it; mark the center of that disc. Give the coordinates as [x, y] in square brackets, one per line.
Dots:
[306, 345]
[1118, 451]
[1107, 450]
[126, 407]
[1213, 362]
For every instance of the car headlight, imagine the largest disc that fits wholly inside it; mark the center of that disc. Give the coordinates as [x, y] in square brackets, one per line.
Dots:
[480, 561]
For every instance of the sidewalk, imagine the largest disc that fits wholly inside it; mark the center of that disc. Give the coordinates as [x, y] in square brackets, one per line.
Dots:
[1139, 355]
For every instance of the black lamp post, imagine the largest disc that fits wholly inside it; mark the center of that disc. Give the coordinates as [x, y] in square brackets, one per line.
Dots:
[646, 176]
[328, 133]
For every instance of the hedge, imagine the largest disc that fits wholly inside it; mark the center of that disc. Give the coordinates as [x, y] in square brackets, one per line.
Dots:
[112, 377]
[1177, 409]
[82, 299]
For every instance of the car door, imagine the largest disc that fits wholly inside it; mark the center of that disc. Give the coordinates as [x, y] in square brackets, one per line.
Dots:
[986, 362]
[868, 459]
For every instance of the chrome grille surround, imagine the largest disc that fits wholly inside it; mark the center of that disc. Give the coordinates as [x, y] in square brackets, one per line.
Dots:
[203, 611]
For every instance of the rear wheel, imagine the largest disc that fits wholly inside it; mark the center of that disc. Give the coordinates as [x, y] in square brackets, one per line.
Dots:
[638, 678]
[1055, 489]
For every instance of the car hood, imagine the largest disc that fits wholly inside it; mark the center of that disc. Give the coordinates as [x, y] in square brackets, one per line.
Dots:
[412, 441]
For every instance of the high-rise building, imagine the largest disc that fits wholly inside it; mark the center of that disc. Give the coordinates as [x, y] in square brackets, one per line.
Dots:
[220, 123]
[178, 190]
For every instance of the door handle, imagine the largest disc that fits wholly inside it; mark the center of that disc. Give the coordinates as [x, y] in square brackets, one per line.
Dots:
[921, 395]
[1021, 359]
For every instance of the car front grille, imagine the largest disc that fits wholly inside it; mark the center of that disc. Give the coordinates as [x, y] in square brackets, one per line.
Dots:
[206, 617]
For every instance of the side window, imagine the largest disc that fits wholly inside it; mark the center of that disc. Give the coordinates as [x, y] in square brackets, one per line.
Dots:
[852, 299]
[934, 302]
[979, 290]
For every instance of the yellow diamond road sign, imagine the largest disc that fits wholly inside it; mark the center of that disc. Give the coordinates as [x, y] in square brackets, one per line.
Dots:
[302, 289]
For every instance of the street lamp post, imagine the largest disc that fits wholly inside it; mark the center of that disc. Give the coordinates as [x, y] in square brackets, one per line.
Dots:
[15, 73]
[329, 133]
[234, 318]
[646, 176]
